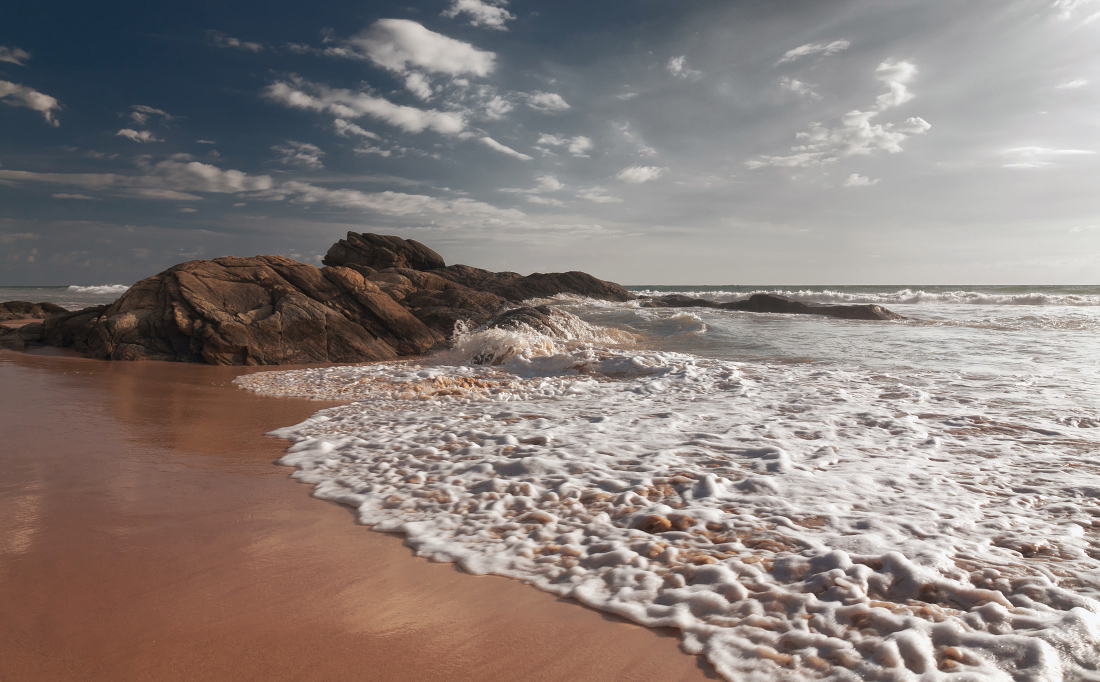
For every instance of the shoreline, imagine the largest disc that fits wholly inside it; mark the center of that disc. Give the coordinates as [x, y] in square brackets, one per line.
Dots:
[153, 537]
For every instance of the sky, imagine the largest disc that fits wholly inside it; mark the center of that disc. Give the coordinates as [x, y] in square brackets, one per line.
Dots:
[646, 142]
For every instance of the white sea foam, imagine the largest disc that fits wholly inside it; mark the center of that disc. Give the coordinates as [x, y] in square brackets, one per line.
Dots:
[793, 521]
[99, 289]
[899, 297]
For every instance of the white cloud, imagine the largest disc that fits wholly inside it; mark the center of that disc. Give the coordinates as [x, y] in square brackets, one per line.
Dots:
[138, 135]
[419, 85]
[140, 114]
[493, 144]
[1072, 84]
[546, 101]
[636, 140]
[301, 94]
[391, 203]
[857, 180]
[1038, 157]
[16, 95]
[810, 49]
[14, 55]
[81, 197]
[488, 14]
[798, 87]
[548, 183]
[345, 128]
[678, 67]
[544, 201]
[168, 179]
[639, 174]
[400, 45]
[205, 142]
[578, 146]
[897, 76]
[497, 108]
[856, 134]
[1068, 9]
[220, 39]
[373, 150]
[303, 154]
[598, 195]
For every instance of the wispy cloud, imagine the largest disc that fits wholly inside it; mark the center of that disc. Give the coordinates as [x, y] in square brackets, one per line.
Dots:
[598, 195]
[345, 128]
[546, 102]
[140, 114]
[169, 179]
[578, 146]
[400, 45]
[17, 95]
[678, 67]
[1072, 84]
[639, 174]
[1039, 157]
[142, 136]
[811, 49]
[14, 55]
[487, 14]
[857, 180]
[798, 87]
[304, 154]
[493, 144]
[219, 39]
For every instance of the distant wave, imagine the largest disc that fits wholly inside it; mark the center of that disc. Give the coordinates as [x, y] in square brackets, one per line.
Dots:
[902, 296]
[99, 289]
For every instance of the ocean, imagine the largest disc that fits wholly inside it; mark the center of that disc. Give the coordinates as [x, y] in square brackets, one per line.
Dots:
[802, 497]
[73, 297]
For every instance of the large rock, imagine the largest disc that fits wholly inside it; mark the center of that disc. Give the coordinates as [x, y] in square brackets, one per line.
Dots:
[25, 310]
[379, 251]
[770, 303]
[265, 310]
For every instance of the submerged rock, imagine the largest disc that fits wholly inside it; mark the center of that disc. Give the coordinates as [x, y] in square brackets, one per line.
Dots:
[770, 303]
[25, 310]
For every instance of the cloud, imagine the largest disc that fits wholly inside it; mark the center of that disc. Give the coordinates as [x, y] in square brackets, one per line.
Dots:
[138, 135]
[857, 180]
[1038, 157]
[303, 154]
[419, 85]
[300, 94]
[168, 179]
[373, 150]
[399, 45]
[391, 203]
[497, 108]
[14, 55]
[635, 139]
[63, 195]
[810, 49]
[1072, 84]
[188, 209]
[16, 95]
[578, 146]
[205, 142]
[219, 39]
[488, 14]
[598, 195]
[856, 134]
[677, 66]
[140, 114]
[1066, 10]
[493, 144]
[798, 87]
[639, 174]
[546, 102]
[345, 128]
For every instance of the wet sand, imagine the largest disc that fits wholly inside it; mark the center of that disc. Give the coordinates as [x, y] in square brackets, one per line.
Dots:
[146, 534]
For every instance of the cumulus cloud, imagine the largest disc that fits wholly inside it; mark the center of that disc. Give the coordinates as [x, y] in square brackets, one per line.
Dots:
[811, 49]
[1039, 157]
[857, 180]
[598, 195]
[639, 174]
[399, 45]
[1072, 84]
[419, 85]
[140, 114]
[493, 144]
[678, 67]
[856, 134]
[497, 108]
[219, 39]
[798, 87]
[488, 14]
[138, 135]
[14, 55]
[346, 128]
[578, 146]
[546, 102]
[300, 94]
[17, 95]
[292, 153]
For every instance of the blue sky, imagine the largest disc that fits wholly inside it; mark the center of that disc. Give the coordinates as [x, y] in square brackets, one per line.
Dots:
[846, 141]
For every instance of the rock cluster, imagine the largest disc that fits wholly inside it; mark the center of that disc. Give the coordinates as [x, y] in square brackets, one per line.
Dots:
[25, 310]
[769, 303]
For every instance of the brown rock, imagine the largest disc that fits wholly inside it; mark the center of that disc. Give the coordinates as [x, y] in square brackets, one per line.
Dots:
[379, 251]
[769, 303]
[654, 524]
[25, 310]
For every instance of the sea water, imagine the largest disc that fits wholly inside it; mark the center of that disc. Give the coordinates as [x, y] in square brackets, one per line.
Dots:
[72, 297]
[802, 497]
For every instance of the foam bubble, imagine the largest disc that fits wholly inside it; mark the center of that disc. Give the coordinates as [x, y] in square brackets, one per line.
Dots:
[99, 289]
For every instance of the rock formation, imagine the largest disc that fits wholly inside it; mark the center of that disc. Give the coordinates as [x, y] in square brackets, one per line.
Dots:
[25, 310]
[769, 303]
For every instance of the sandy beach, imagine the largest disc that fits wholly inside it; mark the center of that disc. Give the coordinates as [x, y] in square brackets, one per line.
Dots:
[148, 535]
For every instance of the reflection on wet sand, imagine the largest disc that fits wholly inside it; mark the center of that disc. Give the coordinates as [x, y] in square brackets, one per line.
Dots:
[147, 535]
